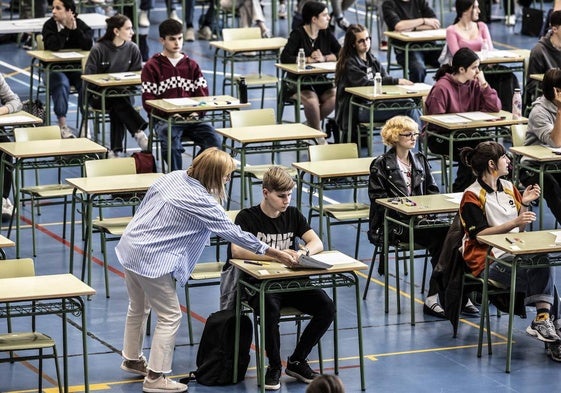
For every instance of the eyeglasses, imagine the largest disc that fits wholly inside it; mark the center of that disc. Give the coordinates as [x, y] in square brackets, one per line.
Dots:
[410, 135]
[363, 40]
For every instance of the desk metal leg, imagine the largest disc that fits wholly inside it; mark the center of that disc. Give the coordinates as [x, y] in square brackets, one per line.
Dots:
[84, 345]
[65, 345]
[511, 313]
[386, 278]
[359, 331]
[261, 364]
[411, 268]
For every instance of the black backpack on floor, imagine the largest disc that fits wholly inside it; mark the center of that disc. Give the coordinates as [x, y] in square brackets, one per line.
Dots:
[215, 357]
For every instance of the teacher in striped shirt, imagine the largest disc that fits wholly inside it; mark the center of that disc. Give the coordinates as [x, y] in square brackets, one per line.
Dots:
[161, 246]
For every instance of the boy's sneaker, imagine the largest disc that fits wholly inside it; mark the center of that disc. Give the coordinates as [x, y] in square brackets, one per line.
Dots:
[190, 34]
[143, 20]
[141, 139]
[7, 209]
[543, 331]
[554, 351]
[163, 385]
[138, 367]
[173, 15]
[272, 378]
[66, 132]
[300, 370]
[281, 13]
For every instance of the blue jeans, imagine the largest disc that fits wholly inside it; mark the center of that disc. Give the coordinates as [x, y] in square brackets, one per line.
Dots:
[418, 62]
[536, 283]
[202, 134]
[60, 83]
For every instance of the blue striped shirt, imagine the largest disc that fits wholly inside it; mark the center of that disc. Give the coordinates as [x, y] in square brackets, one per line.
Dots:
[173, 224]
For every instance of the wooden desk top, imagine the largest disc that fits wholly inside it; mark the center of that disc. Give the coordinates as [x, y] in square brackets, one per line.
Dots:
[495, 57]
[114, 184]
[417, 36]
[35, 25]
[271, 133]
[336, 168]
[256, 44]
[107, 80]
[276, 270]
[54, 286]
[47, 56]
[53, 147]
[424, 204]
[19, 118]
[292, 68]
[537, 153]
[389, 92]
[210, 103]
[5, 242]
[538, 77]
[504, 120]
[532, 242]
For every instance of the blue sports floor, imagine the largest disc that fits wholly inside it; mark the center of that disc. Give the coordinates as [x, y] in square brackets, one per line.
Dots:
[398, 357]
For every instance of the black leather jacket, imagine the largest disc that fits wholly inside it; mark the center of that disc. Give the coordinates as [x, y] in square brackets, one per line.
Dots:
[386, 181]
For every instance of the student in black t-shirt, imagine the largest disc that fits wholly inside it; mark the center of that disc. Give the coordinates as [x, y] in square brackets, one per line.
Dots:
[279, 225]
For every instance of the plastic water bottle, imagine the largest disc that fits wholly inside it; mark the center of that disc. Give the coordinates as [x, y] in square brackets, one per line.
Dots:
[484, 49]
[242, 86]
[377, 84]
[301, 59]
[516, 104]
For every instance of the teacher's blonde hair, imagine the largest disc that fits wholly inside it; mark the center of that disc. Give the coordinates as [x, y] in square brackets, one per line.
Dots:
[210, 168]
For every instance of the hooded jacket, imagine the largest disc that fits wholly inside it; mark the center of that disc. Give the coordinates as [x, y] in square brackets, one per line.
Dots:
[542, 57]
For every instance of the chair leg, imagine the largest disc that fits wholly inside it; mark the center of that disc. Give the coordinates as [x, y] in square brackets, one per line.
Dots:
[103, 239]
[372, 263]
[424, 273]
[397, 289]
[188, 304]
[40, 373]
[33, 225]
[57, 370]
[357, 242]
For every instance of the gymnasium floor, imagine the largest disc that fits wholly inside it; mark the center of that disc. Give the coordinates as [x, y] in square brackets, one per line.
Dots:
[398, 357]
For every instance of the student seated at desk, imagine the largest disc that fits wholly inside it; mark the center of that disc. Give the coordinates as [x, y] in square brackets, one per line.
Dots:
[115, 52]
[172, 74]
[65, 31]
[357, 66]
[400, 172]
[319, 45]
[460, 87]
[544, 128]
[492, 205]
[279, 225]
[412, 15]
[468, 32]
[9, 103]
[160, 248]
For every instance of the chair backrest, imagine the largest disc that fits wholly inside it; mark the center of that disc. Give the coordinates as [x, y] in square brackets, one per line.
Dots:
[253, 117]
[40, 42]
[26, 134]
[242, 33]
[108, 167]
[10, 268]
[336, 151]
[518, 132]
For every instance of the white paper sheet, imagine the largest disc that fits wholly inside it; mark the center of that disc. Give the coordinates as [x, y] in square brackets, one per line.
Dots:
[14, 119]
[328, 65]
[181, 101]
[425, 33]
[478, 116]
[68, 55]
[451, 119]
[124, 75]
[415, 87]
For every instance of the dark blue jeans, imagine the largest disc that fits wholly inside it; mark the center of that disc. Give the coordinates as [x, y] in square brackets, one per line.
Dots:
[202, 134]
[60, 83]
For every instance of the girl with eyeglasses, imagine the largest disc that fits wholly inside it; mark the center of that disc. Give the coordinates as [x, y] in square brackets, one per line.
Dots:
[460, 87]
[357, 66]
[400, 173]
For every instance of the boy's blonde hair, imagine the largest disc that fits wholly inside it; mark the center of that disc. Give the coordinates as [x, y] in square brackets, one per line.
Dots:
[277, 179]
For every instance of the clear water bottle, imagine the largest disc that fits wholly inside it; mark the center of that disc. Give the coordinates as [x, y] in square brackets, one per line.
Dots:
[517, 104]
[242, 88]
[378, 84]
[301, 60]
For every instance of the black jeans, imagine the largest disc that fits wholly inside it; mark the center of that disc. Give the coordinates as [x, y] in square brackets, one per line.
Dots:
[313, 302]
[551, 189]
[7, 171]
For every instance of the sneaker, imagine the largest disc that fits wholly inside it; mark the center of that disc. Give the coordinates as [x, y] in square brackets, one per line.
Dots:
[343, 23]
[205, 33]
[163, 385]
[272, 378]
[143, 20]
[27, 42]
[300, 370]
[112, 154]
[138, 367]
[281, 13]
[66, 132]
[554, 351]
[510, 20]
[141, 139]
[173, 15]
[190, 34]
[543, 331]
[7, 209]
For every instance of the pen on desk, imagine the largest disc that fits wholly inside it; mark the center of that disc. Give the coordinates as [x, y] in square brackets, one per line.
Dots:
[508, 239]
[256, 263]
